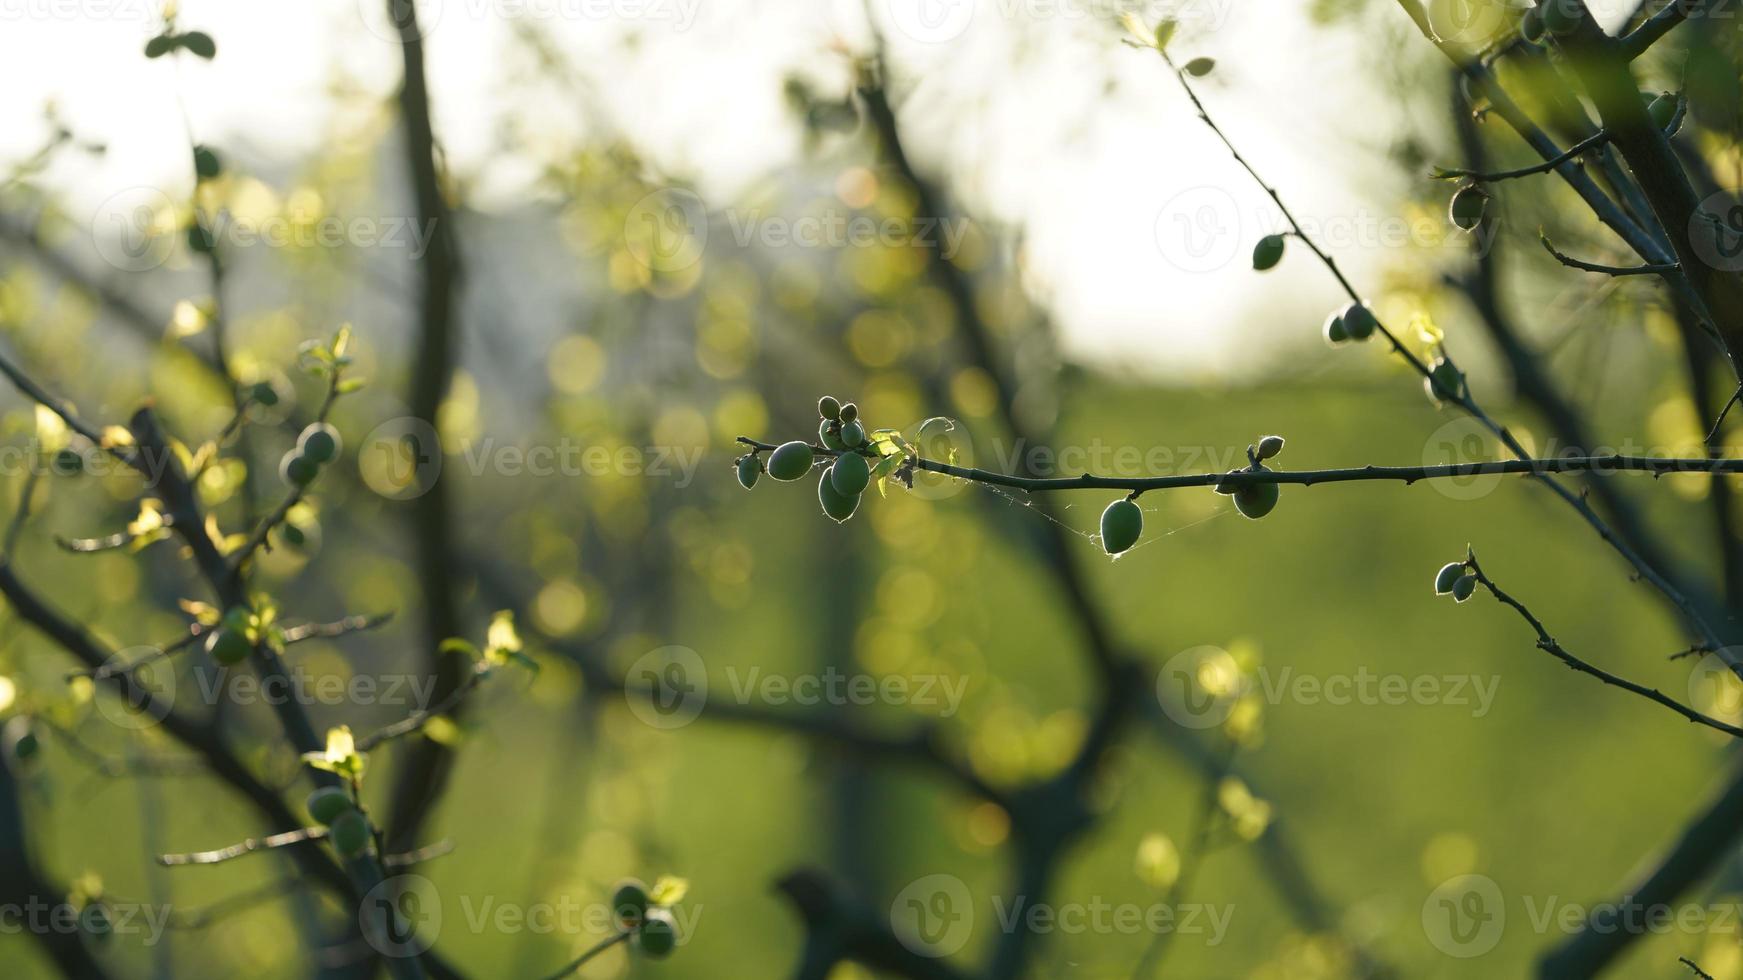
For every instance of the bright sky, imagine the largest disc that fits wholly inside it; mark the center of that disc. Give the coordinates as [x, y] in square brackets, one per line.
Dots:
[1137, 222]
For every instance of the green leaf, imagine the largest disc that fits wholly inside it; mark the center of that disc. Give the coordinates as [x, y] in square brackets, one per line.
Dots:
[1165, 32]
[199, 43]
[1200, 67]
[159, 46]
[668, 890]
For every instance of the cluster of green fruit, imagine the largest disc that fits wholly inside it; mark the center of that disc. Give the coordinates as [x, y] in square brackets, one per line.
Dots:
[1457, 580]
[316, 447]
[346, 825]
[651, 926]
[839, 431]
[1354, 322]
[1122, 523]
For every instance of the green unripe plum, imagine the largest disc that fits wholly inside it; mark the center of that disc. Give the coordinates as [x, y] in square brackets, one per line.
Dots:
[1255, 500]
[1121, 525]
[1443, 382]
[264, 393]
[1268, 252]
[1359, 321]
[790, 461]
[1531, 26]
[629, 902]
[1559, 16]
[1447, 577]
[228, 646]
[298, 470]
[829, 434]
[1269, 447]
[293, 536]
[750, 468]
[852, 434]
[1334, 331]
[828, 408]
[1464, 587]
[350, 833]
[206, 164]
[658, 934]
[850, 474]
[1467, 207]
[849, 413]
[328, 804]
[837, 505]
[319, 442]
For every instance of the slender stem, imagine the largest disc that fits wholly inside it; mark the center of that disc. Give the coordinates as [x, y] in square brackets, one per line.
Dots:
[581, 961]
[1649, 269]
[241, 848]
[1528, 466]
[1591, 142]
[1551, 646]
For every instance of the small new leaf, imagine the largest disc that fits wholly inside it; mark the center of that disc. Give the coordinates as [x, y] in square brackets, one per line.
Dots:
[1200, 67]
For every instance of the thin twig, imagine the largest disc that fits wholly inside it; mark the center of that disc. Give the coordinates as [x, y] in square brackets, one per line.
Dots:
[1648, 269]
[581, 961]
[1685, 961]
[1591, 142]
[1713, 433]
[418, 719]
[242, 848]
[1549, 645]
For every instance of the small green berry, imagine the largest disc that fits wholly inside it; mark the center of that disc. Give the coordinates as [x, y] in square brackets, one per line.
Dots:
[629, 902]
[1359, 321]
[852, 434]
[297, 469]
[1444, 382]
[829, 434]
[837, 505]
[68, 462]
[319, 443]
[829, 408]
[849, 413]
[292, 535]
[20, 739]
[1334, 331]
[264, 394]
[1447, 577]
[1255, 500]
[850, 474]
[1121, 525]
[750, 467]
[1462, 589]
[658, 934]
[206, 165]
[328, 803]
[1467, 207]
[350, 833]
[790, 461]
[1268, 252]
[228, 646]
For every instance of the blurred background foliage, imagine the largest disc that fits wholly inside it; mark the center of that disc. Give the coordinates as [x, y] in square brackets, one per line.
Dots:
[574, 336]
